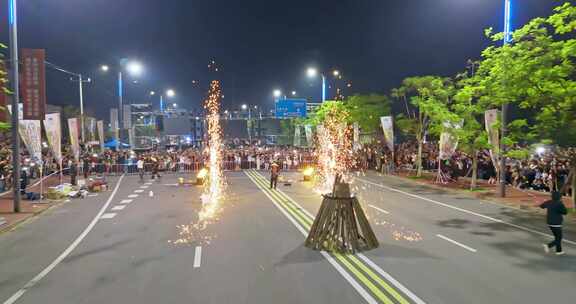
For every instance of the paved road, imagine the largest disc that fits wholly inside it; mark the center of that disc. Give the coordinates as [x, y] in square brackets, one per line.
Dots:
[133, 246]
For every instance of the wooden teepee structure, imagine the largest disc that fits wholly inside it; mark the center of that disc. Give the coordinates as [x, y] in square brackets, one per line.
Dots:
[341, 225]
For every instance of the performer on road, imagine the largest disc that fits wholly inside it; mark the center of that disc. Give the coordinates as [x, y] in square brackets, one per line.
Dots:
[274, 173]
[555, 211]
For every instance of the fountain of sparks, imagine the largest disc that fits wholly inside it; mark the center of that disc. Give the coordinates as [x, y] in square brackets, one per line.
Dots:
[334, 150]
[214, 188]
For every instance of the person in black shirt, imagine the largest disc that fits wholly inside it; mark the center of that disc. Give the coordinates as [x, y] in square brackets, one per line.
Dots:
[555, 211]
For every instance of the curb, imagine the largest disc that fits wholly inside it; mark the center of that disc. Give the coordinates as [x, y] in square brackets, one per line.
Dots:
[4, 227]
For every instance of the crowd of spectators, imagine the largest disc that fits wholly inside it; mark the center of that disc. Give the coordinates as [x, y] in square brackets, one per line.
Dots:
[543, 171]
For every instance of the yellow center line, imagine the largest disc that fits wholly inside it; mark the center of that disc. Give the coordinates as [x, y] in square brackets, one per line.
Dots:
[391, 290]
[306, 222]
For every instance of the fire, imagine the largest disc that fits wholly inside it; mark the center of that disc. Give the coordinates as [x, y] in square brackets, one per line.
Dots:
[334, 150]
[214, 188]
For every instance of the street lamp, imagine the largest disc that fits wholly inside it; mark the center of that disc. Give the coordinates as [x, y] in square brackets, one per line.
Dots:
[152, 93]
[293, 93]
[312, 73]
[134, 68]
[277, 93]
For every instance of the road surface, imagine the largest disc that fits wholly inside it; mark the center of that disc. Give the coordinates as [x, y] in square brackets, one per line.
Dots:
[142, 242]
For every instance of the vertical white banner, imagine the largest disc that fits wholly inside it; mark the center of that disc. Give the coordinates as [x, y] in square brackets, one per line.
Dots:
[308, 131]
[356, 134]
[448, 141]
[491, 124]
[73, 130]
[100, 127]
[53, 127]
[388, 129]
[30, 132]
[297, 138]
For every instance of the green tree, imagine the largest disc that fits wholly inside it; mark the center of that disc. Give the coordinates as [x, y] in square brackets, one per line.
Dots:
[367, 110]
[536, 74]
[431, 97]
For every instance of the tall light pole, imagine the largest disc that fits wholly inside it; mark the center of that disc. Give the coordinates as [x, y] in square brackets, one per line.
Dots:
[134, 68]
[13, 25]
[312, 72]
[504, 130]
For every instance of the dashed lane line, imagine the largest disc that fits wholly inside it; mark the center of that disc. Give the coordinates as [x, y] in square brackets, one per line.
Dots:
[456, 243]
[133, 195]
[138, 191]
[197, 256]
[463, 210]
[107, 216]
[126, 201]
[379, 209]
[118, 208]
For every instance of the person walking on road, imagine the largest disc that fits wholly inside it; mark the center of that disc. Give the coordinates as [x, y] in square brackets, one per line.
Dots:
[140, 166]
[555, 211]
[274, 173]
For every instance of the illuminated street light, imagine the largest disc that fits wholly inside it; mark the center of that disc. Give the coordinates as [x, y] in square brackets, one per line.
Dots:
[104, 68]
[312, 72]
[134, 68]
[336, 73]
[174, 105]
[152, 93]
[293, 93]
[277, 93]
[244, 107]
[170, 93]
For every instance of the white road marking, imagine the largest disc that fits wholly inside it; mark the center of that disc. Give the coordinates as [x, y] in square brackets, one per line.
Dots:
[331, 260]
[148, 183]
[356, 286]
[119, 207]
[92, 195]
[133, 195]
[456, 243]
[379, 209]
[125, 201]
[144, 187]
[464, 210]
[138, 191]
[66, 252]
[108, 216]
[197, 256]
[170, 184]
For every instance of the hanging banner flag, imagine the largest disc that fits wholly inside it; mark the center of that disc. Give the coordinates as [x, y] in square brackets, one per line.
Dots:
[30, 132]
[3, 95]
[356, 135]
[491, 124]
[127, 116]
[33, 83]
[448, 141]
[388, 129]
[308, 131]
[297, 136]
[91, 124]
[114, 123]
[100, 127]
[54, 134]
[74, 144]
[131, 137]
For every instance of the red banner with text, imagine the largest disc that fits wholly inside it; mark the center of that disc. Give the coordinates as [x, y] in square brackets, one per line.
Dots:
[34, 83]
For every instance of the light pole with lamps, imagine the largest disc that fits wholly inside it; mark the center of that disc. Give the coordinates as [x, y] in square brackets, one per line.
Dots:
[133, 68]
[504, 129]
[13, 28]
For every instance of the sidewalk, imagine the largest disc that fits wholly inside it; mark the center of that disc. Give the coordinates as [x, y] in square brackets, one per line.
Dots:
[9, 219]
[522, 199]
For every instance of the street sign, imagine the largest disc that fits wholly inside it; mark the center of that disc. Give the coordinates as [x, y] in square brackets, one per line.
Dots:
[291, 108]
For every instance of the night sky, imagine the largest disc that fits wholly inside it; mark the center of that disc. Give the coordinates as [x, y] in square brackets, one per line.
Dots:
[258, 45]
